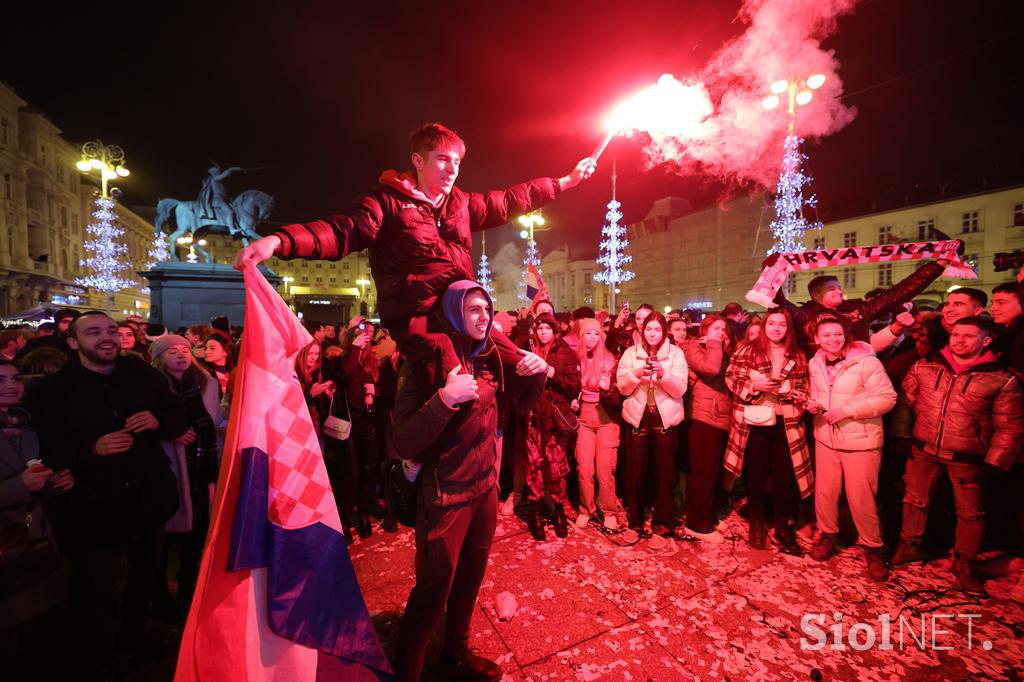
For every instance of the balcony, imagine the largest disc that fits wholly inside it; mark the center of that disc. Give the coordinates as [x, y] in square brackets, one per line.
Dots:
[40, 267]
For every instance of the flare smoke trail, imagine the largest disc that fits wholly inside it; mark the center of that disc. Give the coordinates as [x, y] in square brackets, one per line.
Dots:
[740, 140]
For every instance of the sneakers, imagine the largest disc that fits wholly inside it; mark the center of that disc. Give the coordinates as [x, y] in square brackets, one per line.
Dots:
[962, 571]
[467, 665]
[508, 507]
[582, 520]
[630, 536]
[611, 522]
[907, 553]
[657, 542]
[824, 546]
[785, 536]
[712, 538]
[758, 535]
[874, 564]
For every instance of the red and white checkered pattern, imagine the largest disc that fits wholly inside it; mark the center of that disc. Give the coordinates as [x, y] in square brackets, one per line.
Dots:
[300, 493]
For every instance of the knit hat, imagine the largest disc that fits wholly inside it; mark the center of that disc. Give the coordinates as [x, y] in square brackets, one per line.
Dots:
[166, 342]
[585, 324]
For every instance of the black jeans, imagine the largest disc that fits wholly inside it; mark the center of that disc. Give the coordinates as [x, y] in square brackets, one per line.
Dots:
[767, 457]
[651, 444]
[353, 467]
[707, 447]
[94, 583]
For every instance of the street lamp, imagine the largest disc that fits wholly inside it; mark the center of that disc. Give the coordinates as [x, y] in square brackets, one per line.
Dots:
[799, 92]
[363, 283]
[532, 221]
[108, 160]
[287, 279]
[190, 242]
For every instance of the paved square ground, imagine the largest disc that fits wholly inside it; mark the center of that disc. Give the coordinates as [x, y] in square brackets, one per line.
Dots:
[589, 610]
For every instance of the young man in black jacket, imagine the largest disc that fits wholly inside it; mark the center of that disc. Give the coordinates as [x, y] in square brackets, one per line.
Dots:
[445, 434]
[103, 416]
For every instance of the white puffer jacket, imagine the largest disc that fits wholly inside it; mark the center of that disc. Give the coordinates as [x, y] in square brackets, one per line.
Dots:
[668, 392]
[862, 388]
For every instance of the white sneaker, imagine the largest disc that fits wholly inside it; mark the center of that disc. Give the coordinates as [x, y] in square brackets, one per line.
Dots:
[611, 522]
[582, 520]
[508, 507]
[657, 541]
[712, 538]
[630, 536]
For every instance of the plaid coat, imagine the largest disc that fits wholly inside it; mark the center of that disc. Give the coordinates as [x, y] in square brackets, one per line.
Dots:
[737, 379]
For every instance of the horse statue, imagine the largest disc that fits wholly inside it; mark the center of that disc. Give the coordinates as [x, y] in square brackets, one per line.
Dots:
[238, 219]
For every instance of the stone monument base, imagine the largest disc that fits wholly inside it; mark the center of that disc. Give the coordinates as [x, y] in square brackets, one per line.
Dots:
[184, 294]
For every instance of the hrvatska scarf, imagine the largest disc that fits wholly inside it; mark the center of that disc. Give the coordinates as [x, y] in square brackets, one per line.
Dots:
[778, 266]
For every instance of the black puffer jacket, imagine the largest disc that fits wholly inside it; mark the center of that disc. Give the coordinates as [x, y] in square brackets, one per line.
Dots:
[553, 411]
[416, 249]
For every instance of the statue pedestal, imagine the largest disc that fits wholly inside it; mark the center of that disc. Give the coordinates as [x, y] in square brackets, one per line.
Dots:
[184, 294]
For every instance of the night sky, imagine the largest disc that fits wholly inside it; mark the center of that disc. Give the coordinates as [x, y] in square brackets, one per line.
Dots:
[318, 98]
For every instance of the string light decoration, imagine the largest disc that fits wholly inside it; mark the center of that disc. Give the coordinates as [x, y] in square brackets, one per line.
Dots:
[104, 251]
[483, 273]
[613, 246]
[159, 250]
[789, 225]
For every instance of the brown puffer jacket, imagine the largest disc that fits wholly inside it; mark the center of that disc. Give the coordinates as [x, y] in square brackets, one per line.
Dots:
[975, 415]
[711, 402]
[416, 249]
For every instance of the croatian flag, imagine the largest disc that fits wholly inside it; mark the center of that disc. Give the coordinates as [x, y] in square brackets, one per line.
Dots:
[276, 587]
[535, 285]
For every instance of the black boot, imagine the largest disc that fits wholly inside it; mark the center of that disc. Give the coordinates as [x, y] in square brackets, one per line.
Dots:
[963, 571]
[785, 536]
[535, 522]
[467, 665]
[363, 525]
[561, 523]
[758, 535]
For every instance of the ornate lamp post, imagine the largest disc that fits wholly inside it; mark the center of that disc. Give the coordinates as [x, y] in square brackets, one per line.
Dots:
[107, 160]
[530, 222]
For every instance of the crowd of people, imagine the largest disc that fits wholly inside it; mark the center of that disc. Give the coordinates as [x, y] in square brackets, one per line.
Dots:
[648, 427]
[640, 425]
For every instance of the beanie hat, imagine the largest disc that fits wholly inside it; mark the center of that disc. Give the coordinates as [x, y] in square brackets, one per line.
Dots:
[587, 323]
[166, 342]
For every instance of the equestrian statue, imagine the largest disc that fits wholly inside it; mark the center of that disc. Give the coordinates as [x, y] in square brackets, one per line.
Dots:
[212, 213]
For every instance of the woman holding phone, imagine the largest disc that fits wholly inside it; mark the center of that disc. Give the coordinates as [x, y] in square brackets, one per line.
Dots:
[769, 384]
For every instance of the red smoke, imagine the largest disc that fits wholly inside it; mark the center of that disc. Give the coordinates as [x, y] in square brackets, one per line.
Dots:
[741, 141]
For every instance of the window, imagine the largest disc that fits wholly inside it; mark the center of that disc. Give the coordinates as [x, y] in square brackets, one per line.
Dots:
[305, 279]
[64, 217]
[319, 265]
[42, 154]
[885, 234]
[344, 266]
[969, 221]
[972, 262]
[849, 239]
[885, 275]
[5, 131]
[319, 279]
[8, 187]
[791, 284]
[849, 278]
[74, 223]
[1018, 214]
[819, 243]
[334, 280]
[926, 230]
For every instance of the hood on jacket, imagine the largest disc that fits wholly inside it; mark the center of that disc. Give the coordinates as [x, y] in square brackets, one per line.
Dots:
[857, 349]
[988, 357]
[405, 182]
[452, 316]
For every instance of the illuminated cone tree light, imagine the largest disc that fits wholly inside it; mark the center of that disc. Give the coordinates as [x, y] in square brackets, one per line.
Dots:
[105, 252]
[789, 224]
[613, 246]
[483, 273]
